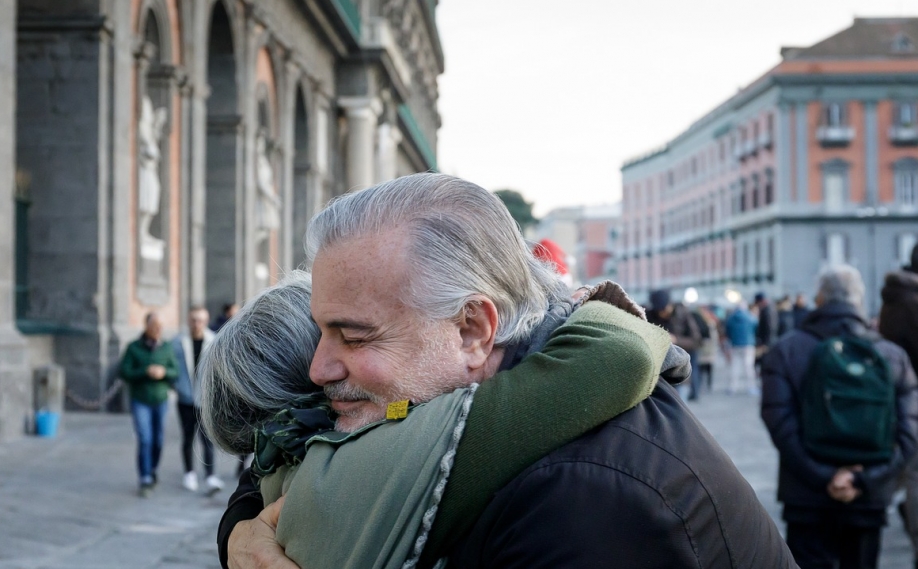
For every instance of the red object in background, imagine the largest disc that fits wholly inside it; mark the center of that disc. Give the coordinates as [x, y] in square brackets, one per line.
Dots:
[549, 251]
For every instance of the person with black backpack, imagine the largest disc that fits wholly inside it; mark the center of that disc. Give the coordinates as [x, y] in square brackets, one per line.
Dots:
[841, 406]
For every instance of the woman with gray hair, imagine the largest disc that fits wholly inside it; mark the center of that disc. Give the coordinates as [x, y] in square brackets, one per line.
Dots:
[388, 479]
[259, 363]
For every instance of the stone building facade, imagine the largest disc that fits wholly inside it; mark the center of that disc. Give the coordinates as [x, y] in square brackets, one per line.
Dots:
[163, 153]
[815, 162]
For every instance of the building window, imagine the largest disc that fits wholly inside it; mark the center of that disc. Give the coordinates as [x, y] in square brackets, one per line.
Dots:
[755, 191]
[833, 130]
[902, 44]
[771, 254]
[769, 186]
[745, 259]
[905, 175]
[905, 114]
[833, 114]
[835, 248]
[834, 185]
[742, 195]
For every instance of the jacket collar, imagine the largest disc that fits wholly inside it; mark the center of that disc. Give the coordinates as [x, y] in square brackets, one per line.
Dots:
[836, 318]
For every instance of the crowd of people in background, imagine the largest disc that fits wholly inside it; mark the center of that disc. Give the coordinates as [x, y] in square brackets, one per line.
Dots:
[738, 334]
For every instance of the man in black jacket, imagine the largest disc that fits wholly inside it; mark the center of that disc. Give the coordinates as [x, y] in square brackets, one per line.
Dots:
[834, 513]
[899, 324]
[648, 489]
[677, 319]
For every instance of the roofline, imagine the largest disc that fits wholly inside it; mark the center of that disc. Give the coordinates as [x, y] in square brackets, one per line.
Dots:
[770, 79]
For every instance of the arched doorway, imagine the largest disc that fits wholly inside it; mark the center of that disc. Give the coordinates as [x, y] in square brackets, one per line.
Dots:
[303, 198]
[223, 282]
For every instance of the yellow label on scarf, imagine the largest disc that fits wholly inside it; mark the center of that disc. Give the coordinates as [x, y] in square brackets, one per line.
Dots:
[397, 410]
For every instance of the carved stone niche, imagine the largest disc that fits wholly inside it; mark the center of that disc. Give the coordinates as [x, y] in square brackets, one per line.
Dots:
[158, 84]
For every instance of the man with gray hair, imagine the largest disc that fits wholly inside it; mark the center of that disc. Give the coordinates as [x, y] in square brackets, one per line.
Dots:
[835, 493]
[424, 284]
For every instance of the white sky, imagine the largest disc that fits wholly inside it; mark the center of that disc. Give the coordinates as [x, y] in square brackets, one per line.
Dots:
[549, 97]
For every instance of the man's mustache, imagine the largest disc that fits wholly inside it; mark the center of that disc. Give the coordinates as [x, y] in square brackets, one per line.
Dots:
[344, 391]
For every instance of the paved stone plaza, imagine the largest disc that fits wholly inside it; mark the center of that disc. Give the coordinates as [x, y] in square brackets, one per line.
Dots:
[70, 502]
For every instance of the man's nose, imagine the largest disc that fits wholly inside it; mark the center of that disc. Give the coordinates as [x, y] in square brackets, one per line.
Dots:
[326, 366]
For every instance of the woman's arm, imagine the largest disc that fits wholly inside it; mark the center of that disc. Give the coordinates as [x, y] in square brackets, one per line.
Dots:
[598, 364]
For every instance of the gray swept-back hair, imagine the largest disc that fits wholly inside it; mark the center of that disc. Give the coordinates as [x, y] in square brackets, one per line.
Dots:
[463, 242]
[841, 283]
[258, 363]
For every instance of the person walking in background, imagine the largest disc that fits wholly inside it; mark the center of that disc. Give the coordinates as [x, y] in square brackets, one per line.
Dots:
[149, 369]
[767, 331]
[899, 324]
[188, 347]
[229, 310]
[710, 342]
[676, 319]
[785, 315]
[801, 310]
[740, 328]
[835, 495]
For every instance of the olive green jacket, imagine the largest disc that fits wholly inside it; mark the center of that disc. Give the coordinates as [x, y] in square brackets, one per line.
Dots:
[137, 357]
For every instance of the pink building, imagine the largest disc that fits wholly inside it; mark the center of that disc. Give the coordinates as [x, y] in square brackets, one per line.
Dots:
[813, 163]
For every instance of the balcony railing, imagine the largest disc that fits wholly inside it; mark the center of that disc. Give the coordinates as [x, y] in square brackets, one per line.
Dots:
[835, 135]
[903, 135]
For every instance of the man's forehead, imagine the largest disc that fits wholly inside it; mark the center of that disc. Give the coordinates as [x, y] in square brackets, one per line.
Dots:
[354, 279]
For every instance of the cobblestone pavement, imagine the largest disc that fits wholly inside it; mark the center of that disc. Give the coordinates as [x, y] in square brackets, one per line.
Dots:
[71, 502]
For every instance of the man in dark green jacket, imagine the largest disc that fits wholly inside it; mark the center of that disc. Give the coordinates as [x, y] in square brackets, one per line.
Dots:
[149, 368]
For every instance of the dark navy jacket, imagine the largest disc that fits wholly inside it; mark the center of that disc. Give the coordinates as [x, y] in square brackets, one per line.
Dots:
[650, 488]
[802, 480]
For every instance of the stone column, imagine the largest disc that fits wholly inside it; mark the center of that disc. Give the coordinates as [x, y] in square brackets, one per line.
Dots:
[362, 115]
[389, 137]
[15, 388]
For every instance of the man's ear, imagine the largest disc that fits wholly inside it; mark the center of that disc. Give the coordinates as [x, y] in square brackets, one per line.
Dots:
[477, 329]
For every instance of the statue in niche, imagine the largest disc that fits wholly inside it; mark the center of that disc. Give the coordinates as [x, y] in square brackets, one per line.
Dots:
[268, 203]
[150, 130]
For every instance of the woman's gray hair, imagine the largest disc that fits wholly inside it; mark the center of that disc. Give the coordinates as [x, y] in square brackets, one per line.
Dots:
[841, 283]
[463, 240]
[258, 363]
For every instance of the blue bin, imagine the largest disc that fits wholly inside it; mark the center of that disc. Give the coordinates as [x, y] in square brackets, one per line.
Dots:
[46, 423]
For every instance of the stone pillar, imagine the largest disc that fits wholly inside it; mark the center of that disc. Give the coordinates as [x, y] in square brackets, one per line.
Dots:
[362, 115]
[15, 387]
[389, 137]
[197, 188]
